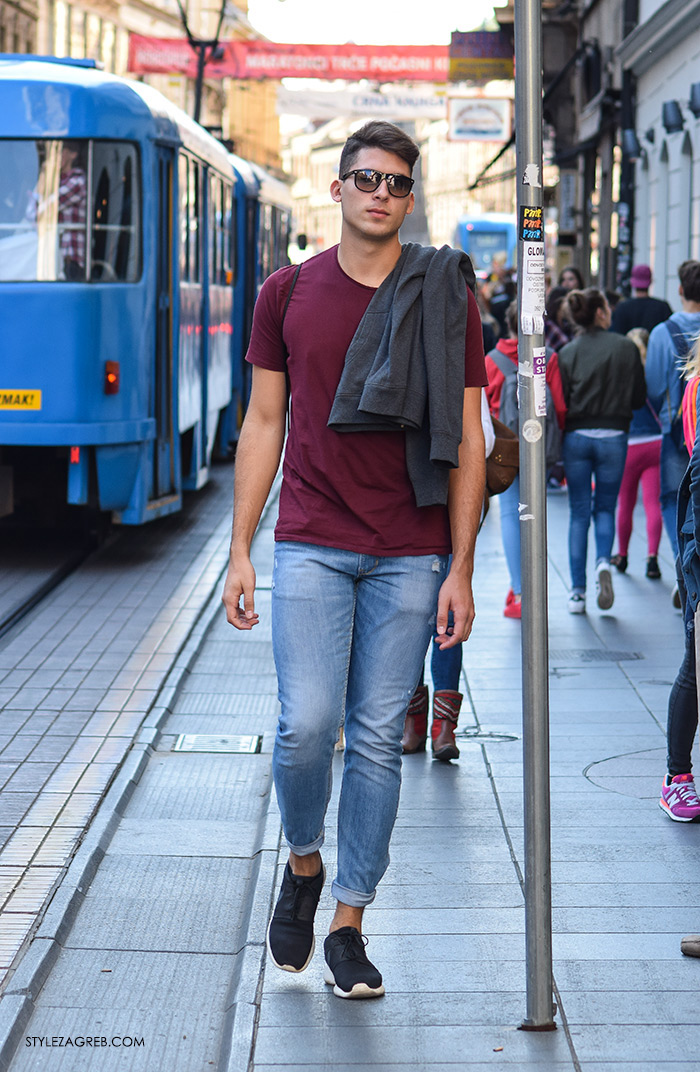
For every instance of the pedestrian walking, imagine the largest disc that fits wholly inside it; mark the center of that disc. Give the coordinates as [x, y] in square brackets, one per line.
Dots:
[382, 479]
[603, 382]
[669, 344]
[642, 465]
[679, 798]
[502, 362]
[641, 310]
[445, 671]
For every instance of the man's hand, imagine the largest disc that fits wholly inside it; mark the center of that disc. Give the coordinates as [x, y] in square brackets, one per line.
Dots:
[240, 581]
[455, 595]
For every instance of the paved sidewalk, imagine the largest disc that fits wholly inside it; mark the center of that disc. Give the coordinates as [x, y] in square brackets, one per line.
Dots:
[168, 943]
[77, 677]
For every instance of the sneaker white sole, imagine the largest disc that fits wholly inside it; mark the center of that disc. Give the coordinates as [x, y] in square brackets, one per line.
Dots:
[606, 595]
[360, 990]
[288, 967]
[677, 818]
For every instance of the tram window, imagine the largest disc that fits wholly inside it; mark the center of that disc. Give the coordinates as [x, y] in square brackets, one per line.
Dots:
[183, 178]
[195, 201]
[70, 210]
[116, 213]
[43, 208]
[219, 241]
[214, 235]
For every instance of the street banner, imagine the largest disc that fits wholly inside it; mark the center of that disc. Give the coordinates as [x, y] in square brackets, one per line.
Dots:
[265, 59]
[478, 119]
[481, 56]
[360, 103]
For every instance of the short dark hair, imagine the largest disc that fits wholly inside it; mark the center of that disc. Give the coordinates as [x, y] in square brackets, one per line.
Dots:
[689, 275]
[512, 318]
[584, 304]
[378, 134]
[556, 296]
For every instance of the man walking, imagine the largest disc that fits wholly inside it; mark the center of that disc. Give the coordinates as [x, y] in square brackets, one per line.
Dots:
[668, 346]
[383, 477]
[641, 310]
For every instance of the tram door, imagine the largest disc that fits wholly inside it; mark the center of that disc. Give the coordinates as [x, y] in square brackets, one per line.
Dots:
[164, 462]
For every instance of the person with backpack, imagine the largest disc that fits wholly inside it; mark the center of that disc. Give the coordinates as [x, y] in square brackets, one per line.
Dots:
[502, 371]
[669, 344]
[603, 382]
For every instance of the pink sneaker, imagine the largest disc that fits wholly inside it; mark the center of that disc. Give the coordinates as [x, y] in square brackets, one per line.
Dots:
[679, 799]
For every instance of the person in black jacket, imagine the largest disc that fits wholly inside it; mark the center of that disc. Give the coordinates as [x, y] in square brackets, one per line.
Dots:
[641, 310]
[603, 381]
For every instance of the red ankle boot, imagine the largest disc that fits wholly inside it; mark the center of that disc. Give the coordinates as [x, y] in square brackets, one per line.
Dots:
[415, 728]
[446, 706]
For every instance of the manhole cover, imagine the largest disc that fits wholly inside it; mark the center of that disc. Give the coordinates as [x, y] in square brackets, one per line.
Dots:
[249, 743]
[593, 655]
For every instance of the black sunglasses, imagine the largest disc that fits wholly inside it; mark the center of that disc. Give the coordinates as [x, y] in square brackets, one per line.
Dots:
[368, 181]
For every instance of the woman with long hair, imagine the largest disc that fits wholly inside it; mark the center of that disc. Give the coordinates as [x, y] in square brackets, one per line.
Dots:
[603, 382]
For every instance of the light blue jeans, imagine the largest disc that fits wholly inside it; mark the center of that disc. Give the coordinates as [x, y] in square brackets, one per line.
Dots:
[587, 458]
[508, 502]
[350, 633]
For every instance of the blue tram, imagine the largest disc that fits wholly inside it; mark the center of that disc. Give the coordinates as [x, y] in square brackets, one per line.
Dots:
[490, 239]
[262, 231]
[120, 255]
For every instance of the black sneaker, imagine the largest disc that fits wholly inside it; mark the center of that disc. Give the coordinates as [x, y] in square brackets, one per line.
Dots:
[290, 935]
[348, 969]
[653, 570]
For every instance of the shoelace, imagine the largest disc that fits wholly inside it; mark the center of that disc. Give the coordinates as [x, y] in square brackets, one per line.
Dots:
[353, 949]
[301, 891]
[686, 791]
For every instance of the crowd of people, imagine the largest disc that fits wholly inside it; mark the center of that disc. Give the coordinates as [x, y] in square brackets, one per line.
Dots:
[627, 373]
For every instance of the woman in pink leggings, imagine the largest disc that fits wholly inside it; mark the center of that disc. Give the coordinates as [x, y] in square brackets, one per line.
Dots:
[643, 454]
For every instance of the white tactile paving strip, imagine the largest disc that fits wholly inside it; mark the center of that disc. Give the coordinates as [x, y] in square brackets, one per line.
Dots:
[77, 678]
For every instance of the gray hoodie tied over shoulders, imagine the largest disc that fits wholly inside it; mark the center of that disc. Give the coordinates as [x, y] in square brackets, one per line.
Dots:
[404, 368]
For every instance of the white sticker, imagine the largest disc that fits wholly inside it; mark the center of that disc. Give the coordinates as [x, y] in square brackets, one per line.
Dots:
[532, 431]
[539, 355]
[532, 175]
[533, 289]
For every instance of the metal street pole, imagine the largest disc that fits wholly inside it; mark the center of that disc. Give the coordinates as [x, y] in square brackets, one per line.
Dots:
[533, 514]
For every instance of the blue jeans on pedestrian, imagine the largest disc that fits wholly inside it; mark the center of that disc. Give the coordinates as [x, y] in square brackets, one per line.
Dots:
[508, 503]
[349, 634]
[585, 458]
[674, 463]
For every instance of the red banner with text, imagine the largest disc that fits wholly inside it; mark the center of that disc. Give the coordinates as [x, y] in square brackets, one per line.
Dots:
[264, 59]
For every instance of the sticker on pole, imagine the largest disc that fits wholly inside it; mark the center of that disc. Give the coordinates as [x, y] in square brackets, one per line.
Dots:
[531, 233]
[539, 364]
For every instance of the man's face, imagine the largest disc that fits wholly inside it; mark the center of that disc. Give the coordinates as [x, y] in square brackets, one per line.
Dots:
[377, 215]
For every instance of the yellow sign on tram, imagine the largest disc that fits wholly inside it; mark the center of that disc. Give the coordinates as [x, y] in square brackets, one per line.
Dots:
[10, 398]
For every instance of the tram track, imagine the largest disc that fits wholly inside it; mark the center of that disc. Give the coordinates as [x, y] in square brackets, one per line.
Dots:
[33, 565]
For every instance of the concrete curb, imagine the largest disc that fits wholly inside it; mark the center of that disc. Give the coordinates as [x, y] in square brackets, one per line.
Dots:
[241, 1021]
[35, 964]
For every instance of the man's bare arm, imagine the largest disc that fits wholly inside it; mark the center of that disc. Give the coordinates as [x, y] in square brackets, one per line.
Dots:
[257, 459]
[465, 502]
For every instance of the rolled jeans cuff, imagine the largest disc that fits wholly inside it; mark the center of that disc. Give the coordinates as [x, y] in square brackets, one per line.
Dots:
[351, 897]
[307, 850]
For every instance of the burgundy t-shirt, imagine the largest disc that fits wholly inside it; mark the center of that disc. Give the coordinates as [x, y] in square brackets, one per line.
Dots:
[349, 490]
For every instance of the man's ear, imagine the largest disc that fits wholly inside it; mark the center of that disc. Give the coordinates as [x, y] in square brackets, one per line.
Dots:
[411, 204]
[336, 187]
